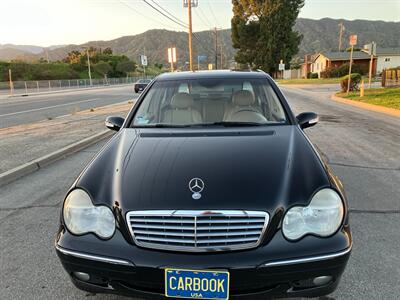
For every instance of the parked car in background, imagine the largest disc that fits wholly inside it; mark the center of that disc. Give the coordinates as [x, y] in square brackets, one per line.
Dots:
[141, 84]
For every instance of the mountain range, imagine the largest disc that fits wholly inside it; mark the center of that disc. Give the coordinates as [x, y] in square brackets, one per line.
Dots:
[318, 35]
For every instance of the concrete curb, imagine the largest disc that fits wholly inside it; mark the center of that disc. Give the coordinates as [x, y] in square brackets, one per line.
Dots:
[376, 108]
[43, 161]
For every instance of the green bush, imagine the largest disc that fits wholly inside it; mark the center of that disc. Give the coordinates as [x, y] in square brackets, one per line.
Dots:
[311, 75]
[343, 70]
[354, 84]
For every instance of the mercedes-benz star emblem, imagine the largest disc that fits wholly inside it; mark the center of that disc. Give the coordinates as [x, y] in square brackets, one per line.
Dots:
[196, 186]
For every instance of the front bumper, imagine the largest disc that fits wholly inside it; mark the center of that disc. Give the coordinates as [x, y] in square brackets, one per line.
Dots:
[272, 270]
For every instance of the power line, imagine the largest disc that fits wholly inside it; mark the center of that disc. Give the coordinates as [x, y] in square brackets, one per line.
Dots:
[144, 16]
[165, 15]
[201, 19]
[183, 24]
[200, 43]
[170, 14]
[205, 17]
[212, 12]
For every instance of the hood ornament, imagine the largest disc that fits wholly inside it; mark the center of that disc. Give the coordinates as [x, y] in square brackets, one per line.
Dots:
[196, 186]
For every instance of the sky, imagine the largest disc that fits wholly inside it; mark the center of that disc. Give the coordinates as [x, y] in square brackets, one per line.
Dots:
[59, 22]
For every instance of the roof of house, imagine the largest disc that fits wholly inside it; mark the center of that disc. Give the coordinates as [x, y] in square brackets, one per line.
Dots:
[310, 58]
[332, 56]
[387, 51]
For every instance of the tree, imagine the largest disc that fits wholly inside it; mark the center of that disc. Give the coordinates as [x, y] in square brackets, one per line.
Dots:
[108, 51]
[102, 68]
[73, 57]
[262, 31]
[125, 66]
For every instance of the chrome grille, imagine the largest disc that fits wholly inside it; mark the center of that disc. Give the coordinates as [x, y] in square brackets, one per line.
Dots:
[182, 230]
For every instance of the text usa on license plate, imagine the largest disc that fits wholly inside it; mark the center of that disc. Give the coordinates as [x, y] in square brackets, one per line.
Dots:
[196, 284]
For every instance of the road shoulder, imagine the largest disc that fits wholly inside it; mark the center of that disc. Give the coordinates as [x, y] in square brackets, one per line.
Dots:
[28, 147]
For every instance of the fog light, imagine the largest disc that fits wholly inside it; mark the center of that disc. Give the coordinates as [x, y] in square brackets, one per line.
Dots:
[82, 276]
[321, 280]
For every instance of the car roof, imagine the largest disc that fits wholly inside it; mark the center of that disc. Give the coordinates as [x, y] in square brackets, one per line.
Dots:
[211, 74]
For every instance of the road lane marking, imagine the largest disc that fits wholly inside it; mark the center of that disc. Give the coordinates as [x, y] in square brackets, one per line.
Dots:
[47, 107]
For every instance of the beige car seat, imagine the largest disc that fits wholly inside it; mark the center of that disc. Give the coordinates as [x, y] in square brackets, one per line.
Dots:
[181, 111]
[242, 109]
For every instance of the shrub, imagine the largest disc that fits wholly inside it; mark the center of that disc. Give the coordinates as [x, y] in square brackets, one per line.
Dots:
[311, 75]
[343, 70]
[354, 84]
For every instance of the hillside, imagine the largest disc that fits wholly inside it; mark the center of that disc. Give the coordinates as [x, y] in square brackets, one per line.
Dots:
[318, 35]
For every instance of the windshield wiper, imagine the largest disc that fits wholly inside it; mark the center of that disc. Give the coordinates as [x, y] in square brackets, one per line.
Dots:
[161, 125]
[233, 124]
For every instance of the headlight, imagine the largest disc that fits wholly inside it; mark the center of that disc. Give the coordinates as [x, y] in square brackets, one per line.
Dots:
[81, 216]
[322, 216]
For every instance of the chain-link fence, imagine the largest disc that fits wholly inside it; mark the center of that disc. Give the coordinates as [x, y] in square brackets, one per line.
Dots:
[41, 86]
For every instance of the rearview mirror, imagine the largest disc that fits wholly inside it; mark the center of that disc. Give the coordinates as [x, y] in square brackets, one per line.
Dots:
[307, 119]
[114, 123]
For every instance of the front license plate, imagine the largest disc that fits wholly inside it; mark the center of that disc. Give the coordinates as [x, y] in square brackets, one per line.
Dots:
[196, 284]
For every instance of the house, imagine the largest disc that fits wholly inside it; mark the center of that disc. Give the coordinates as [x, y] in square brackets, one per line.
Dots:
[326, 60]
[387, 58]
[305, 66]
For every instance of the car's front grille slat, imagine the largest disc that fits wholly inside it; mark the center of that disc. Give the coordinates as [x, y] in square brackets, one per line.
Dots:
[163, 227]
[227, 233]
[197, 230]
[163, 233]
[153, 220]
[164, 240]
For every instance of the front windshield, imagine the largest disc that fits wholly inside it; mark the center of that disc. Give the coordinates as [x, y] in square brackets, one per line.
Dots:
[204, 102]
[144, 81]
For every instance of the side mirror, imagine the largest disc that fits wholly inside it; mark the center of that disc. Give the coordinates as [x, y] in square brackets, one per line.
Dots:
[114, 123]
[307, 119]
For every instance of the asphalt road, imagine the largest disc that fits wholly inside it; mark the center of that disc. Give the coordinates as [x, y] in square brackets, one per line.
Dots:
[22, 110]
[363, 148]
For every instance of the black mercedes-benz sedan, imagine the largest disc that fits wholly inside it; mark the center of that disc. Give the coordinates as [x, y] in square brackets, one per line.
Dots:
[210, 189]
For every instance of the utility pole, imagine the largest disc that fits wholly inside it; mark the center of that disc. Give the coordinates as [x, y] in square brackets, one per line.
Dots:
[172, 57]
[144, 66]
[190, 36]
[216, 47]
[353, 42]
[351, 62]
[11, 82]
[341, 31]
[371, 63]
[47, 55]
[222, 61]
[88, 62]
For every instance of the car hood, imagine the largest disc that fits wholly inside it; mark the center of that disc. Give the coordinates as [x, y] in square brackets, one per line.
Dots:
[251, 169]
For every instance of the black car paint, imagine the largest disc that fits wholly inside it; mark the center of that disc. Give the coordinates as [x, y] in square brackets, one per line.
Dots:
[140, 86]
[269, 168]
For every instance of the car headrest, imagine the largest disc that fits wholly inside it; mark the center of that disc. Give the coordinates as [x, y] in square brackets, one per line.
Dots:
[243, 98]
[181, 100]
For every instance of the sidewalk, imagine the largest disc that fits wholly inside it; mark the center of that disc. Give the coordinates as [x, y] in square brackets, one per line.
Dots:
[24, 143]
